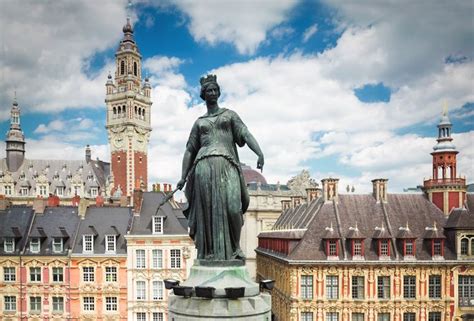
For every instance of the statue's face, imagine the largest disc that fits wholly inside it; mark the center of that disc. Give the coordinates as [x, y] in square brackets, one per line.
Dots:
[211, 93]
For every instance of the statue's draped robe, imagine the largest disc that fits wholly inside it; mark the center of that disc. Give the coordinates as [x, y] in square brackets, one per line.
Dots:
[215, 188]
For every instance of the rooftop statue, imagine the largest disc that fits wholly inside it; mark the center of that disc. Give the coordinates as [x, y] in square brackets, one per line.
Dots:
[215, 186]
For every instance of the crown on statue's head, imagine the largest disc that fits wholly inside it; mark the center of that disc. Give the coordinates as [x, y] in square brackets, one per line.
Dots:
[208, 79]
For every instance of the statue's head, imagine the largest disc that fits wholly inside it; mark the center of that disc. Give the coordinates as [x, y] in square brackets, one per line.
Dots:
[206, 82]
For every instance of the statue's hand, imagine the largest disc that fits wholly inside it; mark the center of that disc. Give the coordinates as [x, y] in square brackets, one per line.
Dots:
[260, 162]
[181, 183]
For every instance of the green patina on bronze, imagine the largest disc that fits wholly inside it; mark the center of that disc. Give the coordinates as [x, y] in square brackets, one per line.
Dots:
[215, 186]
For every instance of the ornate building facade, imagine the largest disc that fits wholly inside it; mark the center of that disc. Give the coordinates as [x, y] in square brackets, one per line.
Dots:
[158, 248]
[374, 257]
[128, 117]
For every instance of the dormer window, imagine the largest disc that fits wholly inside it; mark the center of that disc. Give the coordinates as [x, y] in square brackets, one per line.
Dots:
[409, 247]
[437, 247]
[332, 248]
[357, 247]
[9, 245]
[88, 243]
[8, 190]
[94, 191]
[57, 245]
[35, 245]
[60, 191]
[158, 224]
[384, 248]
[110, 243]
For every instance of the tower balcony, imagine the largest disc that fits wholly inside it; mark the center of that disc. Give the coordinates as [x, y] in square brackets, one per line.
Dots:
[431, 183]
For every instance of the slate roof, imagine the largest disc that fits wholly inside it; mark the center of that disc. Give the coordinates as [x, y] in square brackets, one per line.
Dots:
[373, 220]
[462, 218]
[15, 222]
[175, 223]
[102, 221]
[61, 221]
[57, 173]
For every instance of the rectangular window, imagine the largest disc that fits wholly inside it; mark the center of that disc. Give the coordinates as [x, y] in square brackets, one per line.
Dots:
[10, 303]
[111, 303]
[140, 259]
[57, 245]
[157, 316]
[437, 248]
[58, 275]
[409, 248]
[466, 290]
[88, 244]
[9, 274]
[94, 191]
[307, 287]
[60, 191]
[332, 287]
[88, 274]
[332, 248]
[383, 317]
[306, 316]
[24, 191]
[409, 287]
[58, 304]
[35, 304]
[384, 248]
[358, 287]
[35, 245]
[332, 316]
[434, 287]
[357, 317]
[175, 259]
[141, 290]
[464, 246]
[357, 247]
[157, 225]
[35, 274]
[110, 243]
[141, 316]
[157, 259]
[409, 316]
[110, 274]
[383, 287]
[434, 316]
[42, 190]
[88, 303]
[157, 290]
[8, 190]
[9, 245]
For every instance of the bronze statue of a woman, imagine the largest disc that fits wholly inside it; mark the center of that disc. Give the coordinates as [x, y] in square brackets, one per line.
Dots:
[215, 186]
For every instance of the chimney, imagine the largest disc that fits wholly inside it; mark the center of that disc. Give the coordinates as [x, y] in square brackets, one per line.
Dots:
[380, 189]
[158, 187]
[99, 201]
[39, 205]
[75, 200]
[124, 201]
[137, 201]
[296, 201]
[312, 193]
[330, 187]
[53, 200]
[4, 203]
[88, 154]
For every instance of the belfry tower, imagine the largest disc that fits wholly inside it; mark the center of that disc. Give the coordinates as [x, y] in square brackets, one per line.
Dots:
[128, 117]
[444, 189]
[15, 142]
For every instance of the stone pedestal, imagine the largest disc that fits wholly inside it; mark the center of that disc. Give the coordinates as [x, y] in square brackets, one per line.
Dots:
[254, 306]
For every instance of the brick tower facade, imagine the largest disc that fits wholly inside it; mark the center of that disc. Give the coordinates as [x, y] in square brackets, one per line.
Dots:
[445, 189]
[128, 117]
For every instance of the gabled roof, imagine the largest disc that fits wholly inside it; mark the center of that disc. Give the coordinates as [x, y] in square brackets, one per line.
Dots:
[15, 222]
[174, 222]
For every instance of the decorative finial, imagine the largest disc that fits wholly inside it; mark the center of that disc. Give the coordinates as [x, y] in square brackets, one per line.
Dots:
[15, 103]
[109, 75]
[445, 108]
[407, 227]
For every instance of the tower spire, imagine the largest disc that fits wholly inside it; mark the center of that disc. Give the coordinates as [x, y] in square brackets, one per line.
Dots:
[15, 140]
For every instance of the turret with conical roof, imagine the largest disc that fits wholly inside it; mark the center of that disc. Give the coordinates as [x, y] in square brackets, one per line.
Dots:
[445, 189]
[15, 142]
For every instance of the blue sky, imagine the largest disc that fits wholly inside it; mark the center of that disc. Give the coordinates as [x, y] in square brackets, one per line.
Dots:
[345, 90]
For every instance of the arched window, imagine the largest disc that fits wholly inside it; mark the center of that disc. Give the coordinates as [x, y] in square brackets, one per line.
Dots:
[119, 111]
[136, 110]
[135, 68]
[122, 67]
[143, 113]
[115, 113]
[123, 111]
[464, 246]
[472, 246]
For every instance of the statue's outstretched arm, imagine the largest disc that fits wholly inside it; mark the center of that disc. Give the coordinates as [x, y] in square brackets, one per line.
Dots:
[253, 145]
[188, 160]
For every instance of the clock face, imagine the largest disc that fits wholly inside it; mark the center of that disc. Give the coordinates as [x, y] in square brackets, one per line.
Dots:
[118, 141]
